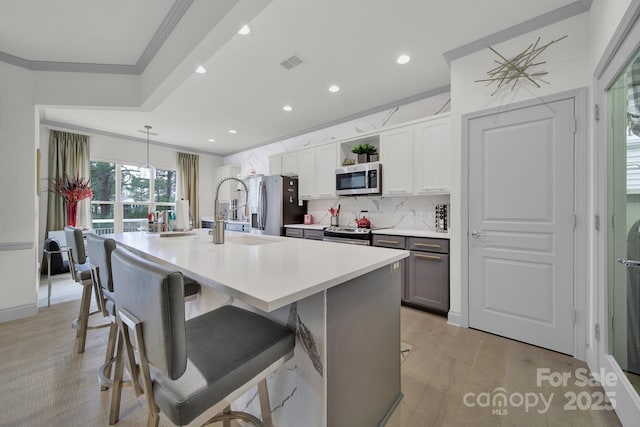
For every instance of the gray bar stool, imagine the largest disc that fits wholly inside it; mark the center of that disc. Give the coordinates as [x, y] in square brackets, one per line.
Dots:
[100, 249]
[199, 364]
[81, 273]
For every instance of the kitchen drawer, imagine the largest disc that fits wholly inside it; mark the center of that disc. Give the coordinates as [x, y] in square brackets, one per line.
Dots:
[396, 242]
[425, 244]
[294, 232]
[313, 234]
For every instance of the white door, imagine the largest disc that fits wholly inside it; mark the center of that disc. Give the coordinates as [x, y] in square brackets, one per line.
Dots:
[521, 224]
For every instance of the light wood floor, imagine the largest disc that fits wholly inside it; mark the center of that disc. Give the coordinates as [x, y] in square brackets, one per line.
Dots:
[448, 362]
[43, 383]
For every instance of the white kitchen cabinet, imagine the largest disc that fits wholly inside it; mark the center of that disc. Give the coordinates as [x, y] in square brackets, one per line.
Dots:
[306, 173]
[432, 156]
[290, 164]
[228, 190]
[275, 164]
[325, 171]
[396, 155]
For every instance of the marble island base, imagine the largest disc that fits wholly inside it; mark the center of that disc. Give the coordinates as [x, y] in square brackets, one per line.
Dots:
[346, 365]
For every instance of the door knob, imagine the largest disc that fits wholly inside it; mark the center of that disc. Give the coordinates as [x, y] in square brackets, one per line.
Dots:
[629, 262]
[475, 233]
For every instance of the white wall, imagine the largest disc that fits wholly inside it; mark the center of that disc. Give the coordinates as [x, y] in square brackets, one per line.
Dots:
[18, 209]
[568, 67]
[605, 16]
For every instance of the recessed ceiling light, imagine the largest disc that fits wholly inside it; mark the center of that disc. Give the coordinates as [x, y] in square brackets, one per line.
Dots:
[403, 59]
[201, 70]
[233, 131]
[287, 108]
[211, 140]
[244, 30]
[334, 88]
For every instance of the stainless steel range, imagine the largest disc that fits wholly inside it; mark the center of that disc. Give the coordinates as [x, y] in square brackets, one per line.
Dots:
[350, 235]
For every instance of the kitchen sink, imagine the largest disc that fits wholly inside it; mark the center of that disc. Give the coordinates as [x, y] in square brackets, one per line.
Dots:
[248, 240]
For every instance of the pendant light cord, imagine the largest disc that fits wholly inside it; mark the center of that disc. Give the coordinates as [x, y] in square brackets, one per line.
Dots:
[148, 163]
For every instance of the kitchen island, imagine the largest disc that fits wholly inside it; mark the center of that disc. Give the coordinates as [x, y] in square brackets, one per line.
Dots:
[343, 301]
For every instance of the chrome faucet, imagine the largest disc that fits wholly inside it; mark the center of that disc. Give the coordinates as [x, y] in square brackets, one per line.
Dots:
[218, 234]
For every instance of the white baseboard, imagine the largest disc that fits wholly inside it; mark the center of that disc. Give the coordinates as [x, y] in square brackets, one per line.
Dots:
[13, 313]
[454, 318]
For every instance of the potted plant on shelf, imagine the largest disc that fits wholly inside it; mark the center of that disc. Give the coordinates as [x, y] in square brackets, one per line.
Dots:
[365, 152]
[72, 190]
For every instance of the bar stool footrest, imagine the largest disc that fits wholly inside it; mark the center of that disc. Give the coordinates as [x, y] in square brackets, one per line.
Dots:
[234, 415]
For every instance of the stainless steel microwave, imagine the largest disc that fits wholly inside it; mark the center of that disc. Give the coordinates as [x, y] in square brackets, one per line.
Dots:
[364, 178]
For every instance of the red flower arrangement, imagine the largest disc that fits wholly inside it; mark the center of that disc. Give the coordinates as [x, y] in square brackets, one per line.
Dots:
[71, 189]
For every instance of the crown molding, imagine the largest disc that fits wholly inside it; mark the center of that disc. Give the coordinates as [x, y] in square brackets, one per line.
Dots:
[89, 131]
[177, 11]
[163, 32]
[560, 14]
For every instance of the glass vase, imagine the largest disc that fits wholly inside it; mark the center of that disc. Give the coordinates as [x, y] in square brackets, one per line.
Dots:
[72, 213]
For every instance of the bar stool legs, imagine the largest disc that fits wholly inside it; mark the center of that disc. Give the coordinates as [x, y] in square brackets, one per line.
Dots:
[265, 406]
[81, 324]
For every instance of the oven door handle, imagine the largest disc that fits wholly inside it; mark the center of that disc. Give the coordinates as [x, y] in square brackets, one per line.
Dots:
[349, 241]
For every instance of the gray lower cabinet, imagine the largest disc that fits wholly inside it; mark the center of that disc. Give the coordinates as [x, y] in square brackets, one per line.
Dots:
[313, 234]
[395, 242]
[294, 232]
[304, 233]
[428, 282]
[425, 281]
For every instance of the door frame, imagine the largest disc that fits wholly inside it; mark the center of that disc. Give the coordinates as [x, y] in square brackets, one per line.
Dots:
[580, 97]
[624, 43]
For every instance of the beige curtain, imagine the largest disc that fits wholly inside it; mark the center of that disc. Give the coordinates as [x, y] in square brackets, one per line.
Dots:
[188, 183]
[68, 154]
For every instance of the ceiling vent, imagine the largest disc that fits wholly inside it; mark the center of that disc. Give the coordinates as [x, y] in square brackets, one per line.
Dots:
[289, 63]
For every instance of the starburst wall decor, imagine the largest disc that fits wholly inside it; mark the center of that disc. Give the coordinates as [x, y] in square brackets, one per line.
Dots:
[512, 70]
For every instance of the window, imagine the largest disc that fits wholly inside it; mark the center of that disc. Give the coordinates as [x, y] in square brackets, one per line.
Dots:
[122, 195]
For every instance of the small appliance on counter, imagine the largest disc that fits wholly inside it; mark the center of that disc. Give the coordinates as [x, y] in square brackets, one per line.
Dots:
[362, 220]
[442, 218]
[308, 219]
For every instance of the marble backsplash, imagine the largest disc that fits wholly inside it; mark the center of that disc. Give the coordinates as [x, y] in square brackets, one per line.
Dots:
[413, 212]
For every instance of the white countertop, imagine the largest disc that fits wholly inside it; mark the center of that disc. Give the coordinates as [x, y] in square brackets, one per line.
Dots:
[307, 226]
[411, 233]
[267, 272]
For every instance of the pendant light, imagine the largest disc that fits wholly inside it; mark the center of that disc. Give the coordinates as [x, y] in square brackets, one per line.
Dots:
[148, 165]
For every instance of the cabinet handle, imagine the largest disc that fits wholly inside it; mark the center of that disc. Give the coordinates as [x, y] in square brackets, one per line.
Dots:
[426, 245]
[391, 242]
[427, 256]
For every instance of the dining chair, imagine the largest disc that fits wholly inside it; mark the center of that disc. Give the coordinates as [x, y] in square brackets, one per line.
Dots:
[199, 365]
[55, 263]
[81, 273]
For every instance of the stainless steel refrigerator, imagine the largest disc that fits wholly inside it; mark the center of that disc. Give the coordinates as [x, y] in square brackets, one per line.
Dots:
[273, 202]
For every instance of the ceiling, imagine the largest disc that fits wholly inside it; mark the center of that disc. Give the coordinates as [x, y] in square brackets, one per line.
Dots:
[353, 44]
